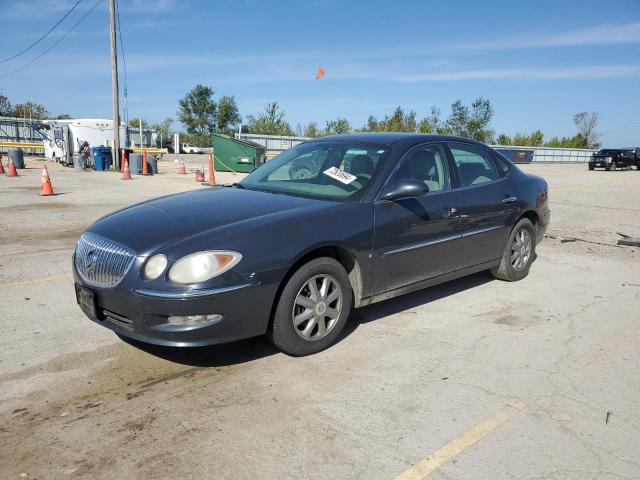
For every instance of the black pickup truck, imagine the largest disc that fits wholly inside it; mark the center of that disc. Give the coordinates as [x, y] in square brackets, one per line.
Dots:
[614, 158]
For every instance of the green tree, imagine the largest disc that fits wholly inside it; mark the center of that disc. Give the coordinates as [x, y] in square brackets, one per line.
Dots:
[586, 124]
[433, 123]
[577, 141]
[64, 116]
[6, 110]
[503, 139]
[228, 116]
[32, 110]
[135, 123]
[472, 122]
[311, 130]
[269, 122]
[337, 126]
[535, 139]
[198, 111]
[372, 125]
[398, 121]
[163, 129]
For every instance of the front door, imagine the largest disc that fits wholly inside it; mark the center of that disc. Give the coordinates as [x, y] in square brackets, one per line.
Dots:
[416, 238]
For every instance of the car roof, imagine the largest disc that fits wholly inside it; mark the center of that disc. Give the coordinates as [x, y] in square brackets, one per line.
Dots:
[395, 137]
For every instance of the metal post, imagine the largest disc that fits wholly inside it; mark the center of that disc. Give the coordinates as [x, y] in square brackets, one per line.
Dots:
[140, 128]
[114, 84]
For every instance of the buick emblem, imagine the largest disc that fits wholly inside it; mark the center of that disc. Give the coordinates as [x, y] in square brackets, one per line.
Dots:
[92, 258]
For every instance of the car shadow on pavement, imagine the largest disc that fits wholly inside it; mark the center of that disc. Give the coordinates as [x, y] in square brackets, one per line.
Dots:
[399, 304]
[212, 355]
[259, 347]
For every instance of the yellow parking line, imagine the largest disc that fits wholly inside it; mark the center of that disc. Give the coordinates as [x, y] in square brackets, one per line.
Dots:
[452, 449]
[34, 280]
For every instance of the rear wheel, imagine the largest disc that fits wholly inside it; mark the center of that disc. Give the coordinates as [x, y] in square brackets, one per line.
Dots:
[591, 167]
[313, 308]
[519, 253]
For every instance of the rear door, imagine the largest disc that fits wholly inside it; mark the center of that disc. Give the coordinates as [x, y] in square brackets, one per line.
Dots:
[488, 205]
[416, 238]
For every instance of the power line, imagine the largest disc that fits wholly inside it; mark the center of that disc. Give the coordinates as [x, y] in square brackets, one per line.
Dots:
[19, 69]
[124, 62]
[43, 36]
[124, 65]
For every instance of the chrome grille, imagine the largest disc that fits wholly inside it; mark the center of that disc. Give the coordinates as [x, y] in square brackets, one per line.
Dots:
[102, 262]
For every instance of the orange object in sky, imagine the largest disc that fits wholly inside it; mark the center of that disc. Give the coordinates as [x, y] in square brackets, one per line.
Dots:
[319, 73]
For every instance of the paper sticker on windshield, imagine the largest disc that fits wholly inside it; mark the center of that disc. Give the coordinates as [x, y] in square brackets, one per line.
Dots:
[340, 175]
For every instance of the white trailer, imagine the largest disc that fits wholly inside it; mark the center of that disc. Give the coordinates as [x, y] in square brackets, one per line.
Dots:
[65, 137]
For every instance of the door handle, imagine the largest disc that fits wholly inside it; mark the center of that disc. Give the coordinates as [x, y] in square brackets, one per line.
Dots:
[448, 212]
[510, 199]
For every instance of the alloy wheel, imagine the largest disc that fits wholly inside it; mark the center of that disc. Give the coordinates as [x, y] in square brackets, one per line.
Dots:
[317, 307]
[521, 249]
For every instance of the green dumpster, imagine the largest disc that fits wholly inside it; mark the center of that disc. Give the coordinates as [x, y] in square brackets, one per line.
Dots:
[233, 155]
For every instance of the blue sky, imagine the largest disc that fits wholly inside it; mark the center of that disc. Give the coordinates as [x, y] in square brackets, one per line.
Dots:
[539, 62]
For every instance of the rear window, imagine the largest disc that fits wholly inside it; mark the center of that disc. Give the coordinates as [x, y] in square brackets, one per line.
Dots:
[474, 164]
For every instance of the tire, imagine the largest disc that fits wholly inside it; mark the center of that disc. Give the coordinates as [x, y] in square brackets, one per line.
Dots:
[591, 167]
[506, 270]
[290, 338]
[613, 166]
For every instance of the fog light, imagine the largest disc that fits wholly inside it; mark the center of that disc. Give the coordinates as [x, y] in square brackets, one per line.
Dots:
[194, 319]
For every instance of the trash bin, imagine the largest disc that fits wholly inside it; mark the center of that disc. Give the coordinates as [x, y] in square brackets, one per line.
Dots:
[17, 155]
[152, 165]
[135, 163]
[102, 158]
[79, 163]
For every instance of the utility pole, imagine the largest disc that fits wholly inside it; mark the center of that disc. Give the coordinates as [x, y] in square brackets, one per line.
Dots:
[114, 85]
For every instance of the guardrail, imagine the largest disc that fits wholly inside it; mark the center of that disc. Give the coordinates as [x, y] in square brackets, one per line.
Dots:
[149, 150]
[35, 146]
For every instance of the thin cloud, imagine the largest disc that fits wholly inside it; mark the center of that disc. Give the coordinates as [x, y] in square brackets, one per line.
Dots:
[554, 73]
[605, 34]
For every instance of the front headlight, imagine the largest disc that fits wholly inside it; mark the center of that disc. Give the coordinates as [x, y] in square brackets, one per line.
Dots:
[154, 267]
[608, 159]
[202, 266]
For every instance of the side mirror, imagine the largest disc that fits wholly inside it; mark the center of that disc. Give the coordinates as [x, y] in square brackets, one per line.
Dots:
[406, 188]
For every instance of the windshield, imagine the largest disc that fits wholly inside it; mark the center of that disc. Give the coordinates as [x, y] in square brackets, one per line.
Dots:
[607, 152]
[327, 170]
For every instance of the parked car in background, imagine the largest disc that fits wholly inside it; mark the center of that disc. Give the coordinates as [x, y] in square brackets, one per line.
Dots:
[379, 215]
[614, 158]
[188, 148]
[168, 145]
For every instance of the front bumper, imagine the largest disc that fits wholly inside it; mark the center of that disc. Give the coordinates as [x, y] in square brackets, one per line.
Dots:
[600, 163]
[143, 315]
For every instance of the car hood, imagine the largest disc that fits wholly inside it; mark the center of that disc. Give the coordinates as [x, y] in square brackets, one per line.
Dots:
[162, 222]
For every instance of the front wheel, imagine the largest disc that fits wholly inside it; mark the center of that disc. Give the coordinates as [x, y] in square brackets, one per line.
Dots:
[591, 167]
[313, 308]
[519, 253]
[614, 166]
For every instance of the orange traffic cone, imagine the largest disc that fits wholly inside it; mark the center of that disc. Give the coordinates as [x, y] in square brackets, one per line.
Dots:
[212, 169]
[126, 174]
[46, 188]
[182, 170]
[2, 172]
[12, 169]
[122, 160]
[199, 176]
[145, 166]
